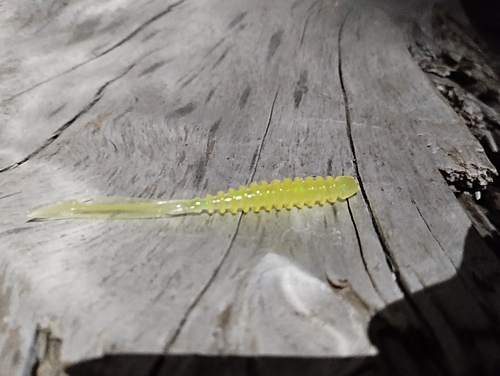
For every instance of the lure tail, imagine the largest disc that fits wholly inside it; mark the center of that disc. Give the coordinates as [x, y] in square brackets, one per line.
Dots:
[118, 208]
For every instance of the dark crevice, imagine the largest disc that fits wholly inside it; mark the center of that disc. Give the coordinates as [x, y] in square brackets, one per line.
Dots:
[199, 171]
[157, 366]
[462, 79]
[47, 354]
[237, 20]
[254, 158]
[389, 258]
[329, 167]
[213, 130]
[195, 302]
[261, 146]
[214, 47]
[118, 44]
[183, 321]
[362, 254]
[222, 57]
[9, 195]
[428, 227]
[66, 125]
[308, 12]
[304, 31]
[142, 27]
[153, 68]
[489, 97]
[192, 78]
[300, 89]
[209, 96]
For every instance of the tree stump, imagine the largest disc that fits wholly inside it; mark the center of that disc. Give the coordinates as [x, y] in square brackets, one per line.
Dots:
[156, 99]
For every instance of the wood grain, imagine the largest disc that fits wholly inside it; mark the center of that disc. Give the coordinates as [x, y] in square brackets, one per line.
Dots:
[181, 99]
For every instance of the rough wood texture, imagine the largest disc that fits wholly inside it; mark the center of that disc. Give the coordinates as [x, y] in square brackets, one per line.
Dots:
[156, 99]
[465, 70]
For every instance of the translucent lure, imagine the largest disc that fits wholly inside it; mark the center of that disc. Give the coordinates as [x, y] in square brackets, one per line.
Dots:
[286, 194]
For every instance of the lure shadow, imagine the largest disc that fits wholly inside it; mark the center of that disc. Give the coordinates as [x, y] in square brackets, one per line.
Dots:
[408, 338]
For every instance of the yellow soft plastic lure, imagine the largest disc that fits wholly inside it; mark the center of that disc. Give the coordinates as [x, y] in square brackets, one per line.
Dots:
[288, 193]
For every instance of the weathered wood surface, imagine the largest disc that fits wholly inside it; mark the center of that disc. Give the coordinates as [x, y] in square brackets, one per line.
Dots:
[180, 99]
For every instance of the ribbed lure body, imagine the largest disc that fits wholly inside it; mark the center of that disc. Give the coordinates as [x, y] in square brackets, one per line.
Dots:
[286, 194]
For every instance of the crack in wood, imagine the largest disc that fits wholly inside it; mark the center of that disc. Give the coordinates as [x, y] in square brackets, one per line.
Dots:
[215, 47]
[198, 298]
[222, 57]
[383, 242]
[183, 321]
[261, 146]
[400, 282]
[9, 195]
[308, 12]
[430, 231]
[142, 27]
[118, 44]
[153, 68]
[353, 149]
[192, 78]
[237, 20]
[301, 88]
[361, 253]
[48, 354]
[61, 129]
[304, 31]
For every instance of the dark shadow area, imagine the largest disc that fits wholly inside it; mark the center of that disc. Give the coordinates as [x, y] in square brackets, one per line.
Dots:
[458, 327]
[151, 365]
[485, 17]
[452, 328]
[485, 212]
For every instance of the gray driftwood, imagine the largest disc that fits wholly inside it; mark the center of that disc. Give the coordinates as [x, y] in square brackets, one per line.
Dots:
[179, 99]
